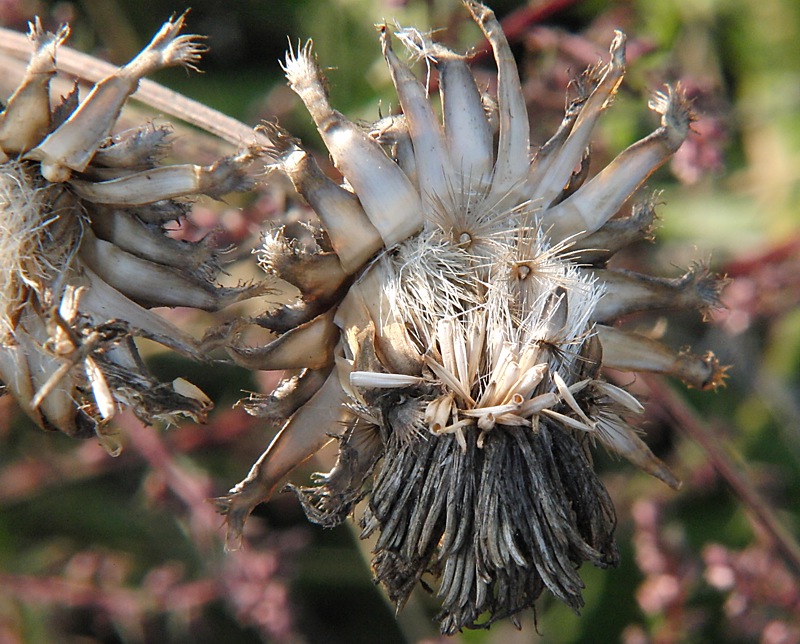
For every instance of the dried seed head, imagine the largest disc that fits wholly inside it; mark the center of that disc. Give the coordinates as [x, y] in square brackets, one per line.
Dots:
[467, 365]
[83, 251]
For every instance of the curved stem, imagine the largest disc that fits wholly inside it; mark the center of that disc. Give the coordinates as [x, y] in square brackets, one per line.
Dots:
[91, 69]
[729, 465]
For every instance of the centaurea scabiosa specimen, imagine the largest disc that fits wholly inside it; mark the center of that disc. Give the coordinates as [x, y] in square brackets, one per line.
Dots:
[84, 253]
[453, 325]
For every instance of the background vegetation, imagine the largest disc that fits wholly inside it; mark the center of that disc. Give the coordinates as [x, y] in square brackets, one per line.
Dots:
[94, 549]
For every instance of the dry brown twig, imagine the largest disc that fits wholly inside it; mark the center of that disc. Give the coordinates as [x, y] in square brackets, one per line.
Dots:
[90, 69]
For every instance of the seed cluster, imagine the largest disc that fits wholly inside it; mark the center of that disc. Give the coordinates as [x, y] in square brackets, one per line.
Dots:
[459, 330]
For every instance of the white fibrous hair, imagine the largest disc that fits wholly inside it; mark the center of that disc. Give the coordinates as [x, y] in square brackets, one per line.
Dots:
[453, 323]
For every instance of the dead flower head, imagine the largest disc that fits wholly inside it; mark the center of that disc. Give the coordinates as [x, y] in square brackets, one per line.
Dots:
[83, 250]
[455, 319]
